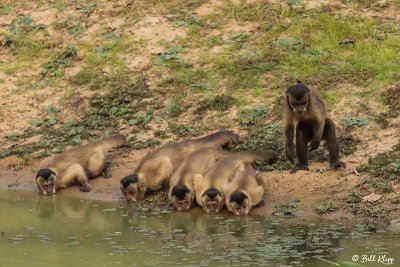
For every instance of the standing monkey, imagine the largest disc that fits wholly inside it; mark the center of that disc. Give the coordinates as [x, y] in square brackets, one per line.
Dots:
[305, 106]
[76, 165]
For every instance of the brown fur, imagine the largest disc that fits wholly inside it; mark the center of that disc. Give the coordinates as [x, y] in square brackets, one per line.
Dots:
[156, 168]
[308, 114]
[77, 164]
[196, 163]
[221, 174]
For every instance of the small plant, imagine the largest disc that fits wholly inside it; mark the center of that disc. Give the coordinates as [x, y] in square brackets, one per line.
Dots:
[76, 30]
[218, 103]
[288, 208]
[354, 122]
[252, 115]
[326, 207]
[54, 68]
[171, 55]
[354, 197]
[348, 144]
[183, 22]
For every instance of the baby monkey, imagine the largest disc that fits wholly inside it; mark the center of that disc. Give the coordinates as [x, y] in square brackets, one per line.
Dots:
[305, 106]
[181, 191]
[209, 189]
[157, 167]
[76, 165]
[244, 192]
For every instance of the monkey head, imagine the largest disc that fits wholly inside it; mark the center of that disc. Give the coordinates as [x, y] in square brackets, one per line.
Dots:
[298, 98]
[46, 181]
[239, 203]
[133, 187]
[181, 197]
[213, 201]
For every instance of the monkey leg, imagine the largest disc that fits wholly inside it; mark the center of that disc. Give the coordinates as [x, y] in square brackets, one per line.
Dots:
[96, 164]
[303, 136]
[332, 144]
[77, 172]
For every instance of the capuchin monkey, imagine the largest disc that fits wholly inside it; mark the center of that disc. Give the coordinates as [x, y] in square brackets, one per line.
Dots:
[305, 106]
[76, 165]
[244, 192]
[181, 191]
[157, 167]
[209, 188]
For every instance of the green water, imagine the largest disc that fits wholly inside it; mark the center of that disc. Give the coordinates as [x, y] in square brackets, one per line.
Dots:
[54, 231]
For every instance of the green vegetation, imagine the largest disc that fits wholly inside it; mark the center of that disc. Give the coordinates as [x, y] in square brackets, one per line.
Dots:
[288, 208]
[326, 207]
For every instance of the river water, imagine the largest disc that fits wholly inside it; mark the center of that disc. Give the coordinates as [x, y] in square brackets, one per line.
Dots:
[53, 231]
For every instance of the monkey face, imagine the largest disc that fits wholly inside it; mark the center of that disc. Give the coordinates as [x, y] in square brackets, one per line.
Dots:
[213, 201]
[46, 181]
[133, 188]
[240, 209]
[298, 97]
[181, 197]
[239, 203]
[299, 106]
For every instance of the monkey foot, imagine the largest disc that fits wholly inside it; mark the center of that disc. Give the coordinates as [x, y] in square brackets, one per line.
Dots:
[298, 168]
[338, 165]
[106, 172]
[86, 187]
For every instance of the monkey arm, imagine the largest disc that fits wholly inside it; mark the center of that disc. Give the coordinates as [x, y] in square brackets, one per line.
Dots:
[289, 135]
[75, 172]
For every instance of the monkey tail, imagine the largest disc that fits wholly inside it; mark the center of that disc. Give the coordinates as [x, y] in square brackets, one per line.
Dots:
[111, 142]
[253, 155]
[220, 138]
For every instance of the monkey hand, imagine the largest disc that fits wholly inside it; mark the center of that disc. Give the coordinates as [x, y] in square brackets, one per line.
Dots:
[289, 151]
[314, 144]
[86, 187]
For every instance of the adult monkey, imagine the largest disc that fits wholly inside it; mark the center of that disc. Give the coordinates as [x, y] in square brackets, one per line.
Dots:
[306, 106]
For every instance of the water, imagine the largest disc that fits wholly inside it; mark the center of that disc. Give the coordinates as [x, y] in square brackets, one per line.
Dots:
[54, 231]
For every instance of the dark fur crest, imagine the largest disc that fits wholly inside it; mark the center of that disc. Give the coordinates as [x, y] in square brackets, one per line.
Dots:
[45, 173]
[212, 193]
[298, 91]
[126, 181]
[238, 197]
[180, 191]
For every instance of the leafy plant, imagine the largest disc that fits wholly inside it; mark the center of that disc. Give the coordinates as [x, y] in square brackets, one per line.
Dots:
[354, 122]
[325, 207]
[252, 115]
[171, 55]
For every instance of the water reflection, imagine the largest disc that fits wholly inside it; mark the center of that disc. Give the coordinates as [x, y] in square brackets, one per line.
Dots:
[82, 232]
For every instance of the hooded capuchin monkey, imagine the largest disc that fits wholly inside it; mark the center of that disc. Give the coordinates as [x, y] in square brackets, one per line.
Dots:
[76, 165]
[209, 189]
[305, 106]
[181, 191]
[244, 192]
[158, 166]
